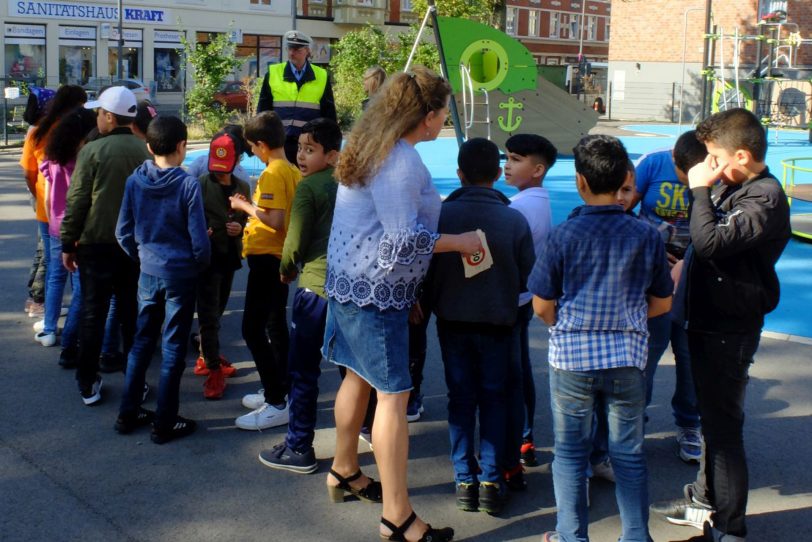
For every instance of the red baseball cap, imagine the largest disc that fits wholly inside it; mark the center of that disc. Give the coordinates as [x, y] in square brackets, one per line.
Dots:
[222, 154]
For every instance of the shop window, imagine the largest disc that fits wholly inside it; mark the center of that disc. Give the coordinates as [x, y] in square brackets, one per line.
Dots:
[24, 51]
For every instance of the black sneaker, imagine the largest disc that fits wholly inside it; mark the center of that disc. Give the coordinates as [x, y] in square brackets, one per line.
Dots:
[91, 394]
[283, 458]
[112, 362]
[491, 497]
[69, 357]
[468, 497]
[686, 511]
[182, 428]
[528, 454]
[127, 423]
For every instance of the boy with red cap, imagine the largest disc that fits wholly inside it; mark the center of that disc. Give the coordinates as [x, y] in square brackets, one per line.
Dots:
[225, 227]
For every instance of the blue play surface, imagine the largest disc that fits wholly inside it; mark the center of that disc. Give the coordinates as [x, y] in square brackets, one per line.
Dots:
[794, 268]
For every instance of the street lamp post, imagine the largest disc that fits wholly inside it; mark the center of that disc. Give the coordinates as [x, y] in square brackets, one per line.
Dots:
[120, 39]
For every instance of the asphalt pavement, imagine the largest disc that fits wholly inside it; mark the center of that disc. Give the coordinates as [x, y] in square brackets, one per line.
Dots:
[65, 475]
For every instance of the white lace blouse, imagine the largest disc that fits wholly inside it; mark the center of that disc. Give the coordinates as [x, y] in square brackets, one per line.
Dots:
[383, 234]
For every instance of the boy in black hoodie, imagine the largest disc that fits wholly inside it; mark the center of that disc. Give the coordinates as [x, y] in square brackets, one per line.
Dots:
[476, 320]
[162, 225]
[739, 229]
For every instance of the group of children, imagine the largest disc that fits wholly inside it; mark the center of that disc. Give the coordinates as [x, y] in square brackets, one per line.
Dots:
[139, 227]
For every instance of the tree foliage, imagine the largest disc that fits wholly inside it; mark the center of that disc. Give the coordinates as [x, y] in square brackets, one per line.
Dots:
[484, 11]
[361, 49]
[211, 63]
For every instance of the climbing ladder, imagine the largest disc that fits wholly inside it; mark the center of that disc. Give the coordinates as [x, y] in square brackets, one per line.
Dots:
[469, 103]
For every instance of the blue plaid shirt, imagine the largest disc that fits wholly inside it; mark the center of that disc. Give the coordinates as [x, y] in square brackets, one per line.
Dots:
[600, 264]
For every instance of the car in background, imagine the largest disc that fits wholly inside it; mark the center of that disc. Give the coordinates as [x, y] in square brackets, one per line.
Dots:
[231, 95]
[138, 87]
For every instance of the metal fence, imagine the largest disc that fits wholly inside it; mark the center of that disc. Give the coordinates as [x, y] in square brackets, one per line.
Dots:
[14, 127]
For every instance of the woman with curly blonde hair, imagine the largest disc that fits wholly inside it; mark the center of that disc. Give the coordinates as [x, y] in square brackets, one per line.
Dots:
[381, 242]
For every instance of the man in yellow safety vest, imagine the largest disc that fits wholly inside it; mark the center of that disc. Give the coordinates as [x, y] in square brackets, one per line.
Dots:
[297, 90]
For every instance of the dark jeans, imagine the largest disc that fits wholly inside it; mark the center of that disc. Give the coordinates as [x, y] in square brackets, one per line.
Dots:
[213, 290]
[112, 330]
[720, 364]
[104, 270]
[476, 361]
[308, 318]
[528, 384]
[171, 303]
[265, 325]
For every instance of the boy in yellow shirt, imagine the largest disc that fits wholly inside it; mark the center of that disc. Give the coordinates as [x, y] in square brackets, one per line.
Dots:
[264, 322]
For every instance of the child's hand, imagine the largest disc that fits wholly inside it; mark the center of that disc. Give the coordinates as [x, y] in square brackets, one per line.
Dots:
[287, 279]
[239, 203]
[469, 243]
[705, 173]
[233, 229]
[210, 232]
[69, 261]
[416, 315]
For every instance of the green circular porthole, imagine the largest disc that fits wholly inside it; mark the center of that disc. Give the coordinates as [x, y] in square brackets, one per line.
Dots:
[487, 62]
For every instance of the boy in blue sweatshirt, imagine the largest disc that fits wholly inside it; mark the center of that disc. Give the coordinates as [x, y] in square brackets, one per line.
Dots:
[162, 224]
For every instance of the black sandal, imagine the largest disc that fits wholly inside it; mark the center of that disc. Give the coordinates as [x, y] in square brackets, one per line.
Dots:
[371, 493]
[431, 535]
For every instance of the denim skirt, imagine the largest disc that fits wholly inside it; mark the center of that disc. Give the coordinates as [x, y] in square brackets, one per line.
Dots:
[372, 343]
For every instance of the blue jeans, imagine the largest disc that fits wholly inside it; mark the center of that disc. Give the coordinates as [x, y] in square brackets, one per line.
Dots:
[573, 396]
[663, 330]
[57, 277]
[476, 373]
[306, 331]
[170, 302]
[528, 384]
[45, 237]
[112, 332]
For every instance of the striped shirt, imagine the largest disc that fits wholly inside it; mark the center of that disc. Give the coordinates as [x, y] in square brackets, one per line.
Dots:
[600, 264]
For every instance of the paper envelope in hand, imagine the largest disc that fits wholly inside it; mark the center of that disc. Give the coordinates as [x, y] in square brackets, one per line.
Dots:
[480, 261]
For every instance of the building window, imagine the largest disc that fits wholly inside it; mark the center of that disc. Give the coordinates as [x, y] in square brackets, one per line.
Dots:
[405, 5]
[77, 54]
[25, 51]
[575, 28]
[167, 56]
[591, 28]
[511, 17]
[256, 51]
[131, 53]
[555, 25]
[261, 3]
[606, 30]
[534, 23]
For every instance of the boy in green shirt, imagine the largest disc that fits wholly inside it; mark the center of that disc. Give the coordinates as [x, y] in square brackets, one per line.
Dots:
[311, 216]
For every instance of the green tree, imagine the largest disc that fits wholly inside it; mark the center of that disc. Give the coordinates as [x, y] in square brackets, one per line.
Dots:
[484, 11]
[211, 63]
[361, 49]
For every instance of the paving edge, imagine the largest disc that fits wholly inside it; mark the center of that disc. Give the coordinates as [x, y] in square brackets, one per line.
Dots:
[799, 339]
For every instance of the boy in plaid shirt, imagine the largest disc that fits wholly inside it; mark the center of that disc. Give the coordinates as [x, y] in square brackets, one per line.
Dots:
[601, 274]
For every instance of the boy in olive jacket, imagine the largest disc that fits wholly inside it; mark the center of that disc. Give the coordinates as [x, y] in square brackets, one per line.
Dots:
[225, 227]
[311, 216]
[89, 232]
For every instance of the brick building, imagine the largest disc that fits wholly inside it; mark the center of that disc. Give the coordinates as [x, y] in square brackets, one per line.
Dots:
[658, 44]
[552, 29]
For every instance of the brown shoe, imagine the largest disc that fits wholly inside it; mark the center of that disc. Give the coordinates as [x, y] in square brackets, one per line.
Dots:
[215, 385]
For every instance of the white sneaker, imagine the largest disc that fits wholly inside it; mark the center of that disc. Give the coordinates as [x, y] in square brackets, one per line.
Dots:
[264, 417]
[45, 339]
[604, 470]
[39, 326]
[254, 400]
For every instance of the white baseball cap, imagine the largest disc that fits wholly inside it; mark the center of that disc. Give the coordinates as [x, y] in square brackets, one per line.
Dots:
[118, 100]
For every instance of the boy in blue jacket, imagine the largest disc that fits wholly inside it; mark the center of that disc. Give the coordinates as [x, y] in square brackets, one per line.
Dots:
[162, 224]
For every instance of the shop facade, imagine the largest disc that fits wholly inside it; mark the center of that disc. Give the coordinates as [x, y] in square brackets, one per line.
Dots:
[61, 42]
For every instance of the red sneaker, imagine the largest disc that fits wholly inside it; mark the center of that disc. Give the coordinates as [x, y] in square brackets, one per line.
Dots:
[215, 385]
[200, 367]
[228, 369]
